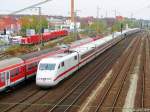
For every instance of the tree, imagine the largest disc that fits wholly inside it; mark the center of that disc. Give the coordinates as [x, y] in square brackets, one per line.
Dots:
[33, 22]
[131, 24]
[99, 26]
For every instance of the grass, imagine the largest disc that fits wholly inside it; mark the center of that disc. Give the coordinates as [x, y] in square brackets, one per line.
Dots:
[20, 49]
[17, 50]
[2, 42]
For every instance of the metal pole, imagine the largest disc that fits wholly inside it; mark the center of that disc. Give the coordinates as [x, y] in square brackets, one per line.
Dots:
[40, 27]
[115, 12]
[35, 5]
[39, 30]
[97, 17]
[75, 26]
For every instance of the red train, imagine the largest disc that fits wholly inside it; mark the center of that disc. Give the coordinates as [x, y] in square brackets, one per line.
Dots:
[35, 39]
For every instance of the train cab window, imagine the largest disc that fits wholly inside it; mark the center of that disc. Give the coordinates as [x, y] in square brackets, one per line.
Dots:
[47, 66]
[75, 58]
[62, 64]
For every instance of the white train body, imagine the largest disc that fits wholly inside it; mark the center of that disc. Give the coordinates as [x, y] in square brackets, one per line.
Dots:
[52, 70]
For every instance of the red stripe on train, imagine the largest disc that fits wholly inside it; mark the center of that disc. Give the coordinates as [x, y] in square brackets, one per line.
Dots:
[70, 69]
[83, 60]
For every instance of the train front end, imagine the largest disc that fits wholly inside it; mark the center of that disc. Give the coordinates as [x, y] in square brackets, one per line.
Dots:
[46, 73]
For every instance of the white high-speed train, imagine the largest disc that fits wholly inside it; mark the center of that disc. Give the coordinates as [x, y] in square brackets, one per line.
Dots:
[54, 69]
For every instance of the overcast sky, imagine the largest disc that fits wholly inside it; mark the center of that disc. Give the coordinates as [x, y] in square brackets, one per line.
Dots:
[139, 8]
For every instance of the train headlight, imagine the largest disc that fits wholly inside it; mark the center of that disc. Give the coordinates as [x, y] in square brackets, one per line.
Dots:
[43, 79]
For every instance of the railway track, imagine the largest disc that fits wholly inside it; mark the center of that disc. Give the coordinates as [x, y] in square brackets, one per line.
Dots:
[66, 102]
[22, 102]
[143, 76]
[142, 102]
[145, 88]
[111, 97]
[123, 69]
[26, 106]
[42, 95]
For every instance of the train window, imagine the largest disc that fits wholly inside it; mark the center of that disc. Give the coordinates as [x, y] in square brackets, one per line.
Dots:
[2, 77]
[14, 72]
[62, 64]
[31, 66]
[75, 57]
[59, 67]
[7, 75]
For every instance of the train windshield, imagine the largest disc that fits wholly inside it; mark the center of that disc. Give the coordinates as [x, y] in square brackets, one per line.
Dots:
[47, 66]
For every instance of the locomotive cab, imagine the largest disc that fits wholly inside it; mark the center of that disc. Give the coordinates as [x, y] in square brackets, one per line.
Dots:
[47, 70]
[54, 69]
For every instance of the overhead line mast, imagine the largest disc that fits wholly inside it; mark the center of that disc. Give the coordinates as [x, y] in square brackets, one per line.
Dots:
[34, 5]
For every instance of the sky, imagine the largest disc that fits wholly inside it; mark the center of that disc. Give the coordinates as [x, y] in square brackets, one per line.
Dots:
[137, 8]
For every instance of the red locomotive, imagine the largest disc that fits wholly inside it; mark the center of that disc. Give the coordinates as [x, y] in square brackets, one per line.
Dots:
[35, 39]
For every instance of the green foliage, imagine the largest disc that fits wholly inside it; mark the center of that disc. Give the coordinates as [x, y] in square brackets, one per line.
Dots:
[132, 23]
[84, 26]
[17, 49]
[126, 21]
[99, 27]
[117, 26]
[33, 22]
[2, 42]
[68, 39]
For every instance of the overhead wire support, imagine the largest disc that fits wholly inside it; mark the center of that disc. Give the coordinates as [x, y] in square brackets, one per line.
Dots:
[98, 11]
[34, 5]
[30, 7]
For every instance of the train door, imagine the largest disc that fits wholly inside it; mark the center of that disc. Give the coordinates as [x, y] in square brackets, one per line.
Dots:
[2, 79]
[7, 77]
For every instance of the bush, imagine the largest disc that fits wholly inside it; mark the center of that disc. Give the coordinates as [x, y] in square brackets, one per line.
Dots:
[68, 39]
[17, 49]
[49, 45]
[2, 42]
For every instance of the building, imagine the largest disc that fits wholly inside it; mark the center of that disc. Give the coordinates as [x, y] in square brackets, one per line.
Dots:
[9, 23]
[55, 23]
[62, 23]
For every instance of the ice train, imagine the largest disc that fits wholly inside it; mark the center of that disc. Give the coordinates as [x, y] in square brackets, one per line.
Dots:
[52, 70]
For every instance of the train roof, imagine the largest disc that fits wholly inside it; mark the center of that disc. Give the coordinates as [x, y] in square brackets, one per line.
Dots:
[37, 53]
[58, 58]
[8, 62]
